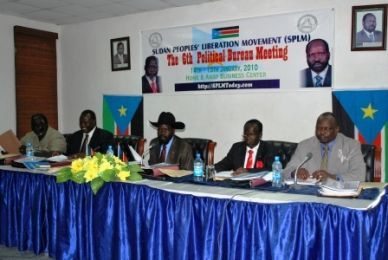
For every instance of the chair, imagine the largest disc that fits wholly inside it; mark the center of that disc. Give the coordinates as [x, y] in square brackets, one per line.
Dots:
[137, 142]
[368, 152]
[286, 149]
[204, 146]
[283, 149]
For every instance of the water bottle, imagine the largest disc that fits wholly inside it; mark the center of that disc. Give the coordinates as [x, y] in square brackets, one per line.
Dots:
[198, 168]
[30, 151]
[109, 151]
[277, 173]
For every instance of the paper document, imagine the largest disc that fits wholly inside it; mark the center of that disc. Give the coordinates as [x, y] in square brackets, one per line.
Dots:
[242, 177]
[175, 173]
[308, 181]
[135, 155]
[58, 158]
[340, 188]
[10, 142]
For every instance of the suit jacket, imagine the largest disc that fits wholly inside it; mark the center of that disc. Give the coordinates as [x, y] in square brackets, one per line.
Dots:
[116, 59]
[180, 153]
[362, 37]
[146, 87]
[53, 141]
[345, 159]
[236, 157]
[307, 78]
[100, 141]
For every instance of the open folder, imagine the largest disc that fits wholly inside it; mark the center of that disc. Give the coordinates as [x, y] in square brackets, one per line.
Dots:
[10, 142]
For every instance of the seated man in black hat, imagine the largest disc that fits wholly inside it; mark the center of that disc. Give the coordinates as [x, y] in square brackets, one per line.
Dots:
[168, 147]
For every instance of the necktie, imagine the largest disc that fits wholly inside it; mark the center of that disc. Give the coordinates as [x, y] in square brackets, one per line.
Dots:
[83, 146]
[372, 37]
[154, 87]
[250, 160]
[325, 157]
[318, 81]
[163, 154]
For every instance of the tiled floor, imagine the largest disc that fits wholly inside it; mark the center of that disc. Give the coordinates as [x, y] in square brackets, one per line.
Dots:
[12, 253]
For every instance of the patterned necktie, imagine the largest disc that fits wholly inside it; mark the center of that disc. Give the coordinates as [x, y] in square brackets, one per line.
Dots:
[162, 157]
[325, 157]
[250, 160]
[83, 146]
[318, 81]
[154, 87]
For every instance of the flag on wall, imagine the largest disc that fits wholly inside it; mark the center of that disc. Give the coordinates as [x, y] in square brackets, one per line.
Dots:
[123, 115]
[368, 111]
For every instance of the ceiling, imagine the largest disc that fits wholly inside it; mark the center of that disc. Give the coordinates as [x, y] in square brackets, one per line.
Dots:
[62, 12]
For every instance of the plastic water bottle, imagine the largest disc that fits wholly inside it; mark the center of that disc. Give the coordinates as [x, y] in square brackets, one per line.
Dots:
[30, 151]
[109, 151]
[198, 168]
[277, 173]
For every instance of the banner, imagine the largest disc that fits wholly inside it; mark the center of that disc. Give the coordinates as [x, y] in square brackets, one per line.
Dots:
[123, 115]
[368, 111]
[254, 53]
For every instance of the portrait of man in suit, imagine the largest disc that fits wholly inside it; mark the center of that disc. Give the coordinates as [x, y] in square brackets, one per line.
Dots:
[368, 36]
[318, 73]
[120, 59]
[151, 82]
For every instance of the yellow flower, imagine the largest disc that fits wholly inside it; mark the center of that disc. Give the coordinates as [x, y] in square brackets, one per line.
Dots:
[123, 175]
[91, 174]
[77, 166]
[105, 165]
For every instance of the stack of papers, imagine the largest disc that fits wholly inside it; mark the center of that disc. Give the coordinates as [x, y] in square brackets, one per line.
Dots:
[340, 189]
[308, 181]
[242, 177]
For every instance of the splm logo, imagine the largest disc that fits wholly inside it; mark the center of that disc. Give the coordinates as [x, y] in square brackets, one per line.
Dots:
[225, 32]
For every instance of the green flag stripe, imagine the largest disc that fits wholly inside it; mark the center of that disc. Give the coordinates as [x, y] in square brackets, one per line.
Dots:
[108, 121]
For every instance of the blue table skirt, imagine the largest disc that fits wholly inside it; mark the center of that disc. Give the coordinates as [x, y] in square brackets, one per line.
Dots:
[129, 221]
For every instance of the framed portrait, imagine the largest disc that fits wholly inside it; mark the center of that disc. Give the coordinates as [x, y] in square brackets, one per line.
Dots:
[119, 53]
[369, 27]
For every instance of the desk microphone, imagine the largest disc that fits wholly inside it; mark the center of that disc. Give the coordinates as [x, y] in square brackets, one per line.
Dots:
[146, 152]
[306, 158]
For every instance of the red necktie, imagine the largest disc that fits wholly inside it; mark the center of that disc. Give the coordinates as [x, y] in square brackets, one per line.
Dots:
[163, 154]
[154, 87]
[250, 160]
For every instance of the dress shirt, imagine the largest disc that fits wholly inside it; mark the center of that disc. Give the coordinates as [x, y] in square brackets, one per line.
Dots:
[168, 146]
[321, 74]
[90, 135]
[253, 155]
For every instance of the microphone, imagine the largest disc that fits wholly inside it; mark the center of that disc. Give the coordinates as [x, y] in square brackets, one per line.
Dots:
[306, 158]
[146, 152]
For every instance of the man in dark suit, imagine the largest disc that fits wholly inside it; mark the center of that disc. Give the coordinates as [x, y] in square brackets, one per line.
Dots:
[120, 59]
[252, 154]
[151, 82]
[368, 36]
[318, 74]
[90, 136]
[168, 147]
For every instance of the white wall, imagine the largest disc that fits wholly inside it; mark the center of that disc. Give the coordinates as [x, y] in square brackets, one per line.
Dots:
[7, 66]
[85, 73]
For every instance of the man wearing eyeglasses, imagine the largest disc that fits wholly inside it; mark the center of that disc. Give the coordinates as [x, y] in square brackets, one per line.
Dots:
[250, 155]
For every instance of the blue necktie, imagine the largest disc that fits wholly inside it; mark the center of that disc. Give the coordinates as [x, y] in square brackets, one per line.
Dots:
[318, 81]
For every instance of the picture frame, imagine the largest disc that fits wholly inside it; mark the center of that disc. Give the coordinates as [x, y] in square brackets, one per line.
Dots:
[120, 46]
[369, 27]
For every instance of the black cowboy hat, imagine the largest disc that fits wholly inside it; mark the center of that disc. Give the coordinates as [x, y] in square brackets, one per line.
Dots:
[167, 118]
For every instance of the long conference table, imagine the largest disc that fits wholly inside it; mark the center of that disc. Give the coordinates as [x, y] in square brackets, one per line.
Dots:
[164, 220]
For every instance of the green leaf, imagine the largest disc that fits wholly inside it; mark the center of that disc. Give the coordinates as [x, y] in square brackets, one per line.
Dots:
[96, 185]
[63, 175]
[78, 177]
[135, 176]
[134, 168]
[108, 175]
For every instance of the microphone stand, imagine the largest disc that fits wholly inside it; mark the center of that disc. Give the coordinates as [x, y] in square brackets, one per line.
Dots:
[307, 158]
